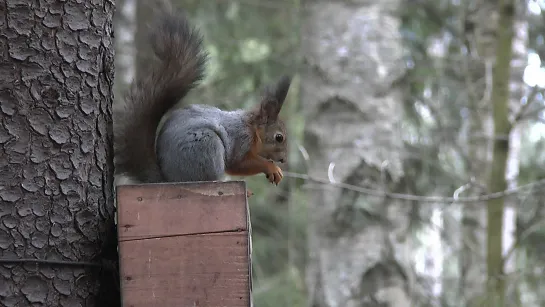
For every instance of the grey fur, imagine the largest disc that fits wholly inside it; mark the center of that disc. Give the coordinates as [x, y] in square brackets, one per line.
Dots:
[220, 138]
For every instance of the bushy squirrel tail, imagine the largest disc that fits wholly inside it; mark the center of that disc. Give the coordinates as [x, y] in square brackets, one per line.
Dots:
[182, 60]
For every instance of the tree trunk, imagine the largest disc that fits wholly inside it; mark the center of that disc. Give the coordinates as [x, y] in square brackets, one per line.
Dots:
[479, 151]
[518, 91]
[491, 48]
[55, 168]
[502, 130]
[353, 57]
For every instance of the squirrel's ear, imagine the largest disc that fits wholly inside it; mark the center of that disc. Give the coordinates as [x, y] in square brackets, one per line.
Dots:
[282, 87]
[274, 97]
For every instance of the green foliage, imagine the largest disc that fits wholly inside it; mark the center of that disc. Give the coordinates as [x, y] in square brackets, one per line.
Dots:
[433, 102]
[279, 253]
[284, 289]
[251, 44]
[442, 86]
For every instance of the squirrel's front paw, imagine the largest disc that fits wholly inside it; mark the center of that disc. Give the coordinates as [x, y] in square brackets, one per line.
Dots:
[275, 174]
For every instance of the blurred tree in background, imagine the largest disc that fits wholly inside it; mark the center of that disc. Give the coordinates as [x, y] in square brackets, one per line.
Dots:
[399, 97]
[352, 101]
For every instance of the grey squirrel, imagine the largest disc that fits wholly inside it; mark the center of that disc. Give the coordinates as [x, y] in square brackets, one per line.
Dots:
[196, 142]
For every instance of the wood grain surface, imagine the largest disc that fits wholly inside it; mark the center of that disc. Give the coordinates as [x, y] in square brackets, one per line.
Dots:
[184, 244]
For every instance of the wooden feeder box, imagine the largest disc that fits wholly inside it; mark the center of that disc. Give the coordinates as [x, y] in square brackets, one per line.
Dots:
[184, 244]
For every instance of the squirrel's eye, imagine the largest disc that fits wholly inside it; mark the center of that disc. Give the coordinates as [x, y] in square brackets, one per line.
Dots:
[279, 137]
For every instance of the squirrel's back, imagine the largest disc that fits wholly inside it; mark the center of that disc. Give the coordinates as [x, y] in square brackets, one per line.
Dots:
[179, 49]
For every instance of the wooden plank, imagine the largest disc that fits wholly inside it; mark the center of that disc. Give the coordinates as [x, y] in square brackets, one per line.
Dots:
[184, 244]
[167, 209]
[195, 270]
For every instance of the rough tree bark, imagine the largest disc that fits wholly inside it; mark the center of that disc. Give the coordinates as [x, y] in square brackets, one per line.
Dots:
[352, 59]
[56, 200]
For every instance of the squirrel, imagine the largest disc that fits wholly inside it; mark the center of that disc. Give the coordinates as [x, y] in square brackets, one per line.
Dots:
[196, 142]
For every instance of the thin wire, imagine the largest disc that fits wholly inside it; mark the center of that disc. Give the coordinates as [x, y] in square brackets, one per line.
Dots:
[429, 199]
[53, 262]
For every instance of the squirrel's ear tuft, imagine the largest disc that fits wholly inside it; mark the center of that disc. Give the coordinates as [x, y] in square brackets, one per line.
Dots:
[274, 97]
[282, 87]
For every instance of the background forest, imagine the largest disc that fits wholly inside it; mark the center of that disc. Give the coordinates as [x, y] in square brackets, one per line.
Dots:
[395, 192]
[416, 170]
